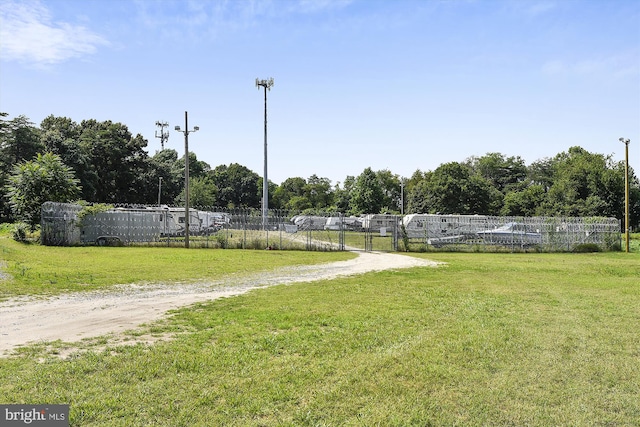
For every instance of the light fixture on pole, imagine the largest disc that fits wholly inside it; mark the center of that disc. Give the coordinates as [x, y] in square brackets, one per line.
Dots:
[186, 133]
[627, 229]
[266, 84]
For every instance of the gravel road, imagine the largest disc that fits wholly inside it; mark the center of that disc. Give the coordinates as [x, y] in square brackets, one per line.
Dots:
[73, 317]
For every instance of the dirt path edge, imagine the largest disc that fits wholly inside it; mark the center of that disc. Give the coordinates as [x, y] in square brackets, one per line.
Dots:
[74, 317]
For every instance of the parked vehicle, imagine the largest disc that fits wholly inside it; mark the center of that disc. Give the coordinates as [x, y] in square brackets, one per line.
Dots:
[512, 233]
[309, 222]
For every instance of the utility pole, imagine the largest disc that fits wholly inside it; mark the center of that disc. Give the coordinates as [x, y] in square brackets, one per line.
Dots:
[186, 133]
[627, 230]
[402, 183]
[164, 135]
[266, 84]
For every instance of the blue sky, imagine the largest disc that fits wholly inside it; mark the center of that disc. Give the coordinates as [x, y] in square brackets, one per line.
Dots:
[399, 85]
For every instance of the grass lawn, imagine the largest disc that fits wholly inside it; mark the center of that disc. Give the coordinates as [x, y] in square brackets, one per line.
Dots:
[37, 269]
[488, 339]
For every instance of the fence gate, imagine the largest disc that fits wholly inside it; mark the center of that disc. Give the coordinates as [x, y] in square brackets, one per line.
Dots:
[381, 232]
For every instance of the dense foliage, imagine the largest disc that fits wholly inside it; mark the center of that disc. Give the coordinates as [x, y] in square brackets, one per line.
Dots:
[103, 162]
[33, 182]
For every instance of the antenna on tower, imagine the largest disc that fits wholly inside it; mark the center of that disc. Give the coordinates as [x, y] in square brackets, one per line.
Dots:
[164, 135]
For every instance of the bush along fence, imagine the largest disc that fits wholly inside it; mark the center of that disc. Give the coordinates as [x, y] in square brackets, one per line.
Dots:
[72, 224]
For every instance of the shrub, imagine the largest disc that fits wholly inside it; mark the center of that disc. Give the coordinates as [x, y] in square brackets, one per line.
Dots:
[19, 231]
[221, 240]
[91, 209]
[586, 247]
[405, 237]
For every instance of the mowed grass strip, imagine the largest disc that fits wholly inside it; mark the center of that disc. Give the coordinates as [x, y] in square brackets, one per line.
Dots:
[36, 270]
[488, 339]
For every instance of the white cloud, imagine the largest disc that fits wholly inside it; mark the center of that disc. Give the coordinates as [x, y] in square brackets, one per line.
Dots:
[28, 34]
[203, 20]
[555, 67]
[540, 8]
[315, 6]
[614, 66]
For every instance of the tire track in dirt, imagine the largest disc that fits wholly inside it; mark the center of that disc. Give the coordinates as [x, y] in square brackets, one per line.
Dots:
[76, 316]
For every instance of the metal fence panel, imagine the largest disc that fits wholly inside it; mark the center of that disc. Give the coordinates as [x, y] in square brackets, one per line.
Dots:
[548, 234]
[63, 224]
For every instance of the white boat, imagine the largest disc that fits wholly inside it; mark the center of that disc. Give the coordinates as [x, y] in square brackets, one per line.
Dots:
[512, 233]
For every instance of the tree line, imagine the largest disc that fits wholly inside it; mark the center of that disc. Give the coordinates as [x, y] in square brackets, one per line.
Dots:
[102, 162]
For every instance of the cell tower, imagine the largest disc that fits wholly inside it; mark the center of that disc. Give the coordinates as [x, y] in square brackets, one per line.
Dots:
[164, 135]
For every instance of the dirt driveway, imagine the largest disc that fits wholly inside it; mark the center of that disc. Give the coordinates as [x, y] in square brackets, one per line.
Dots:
[73, 317]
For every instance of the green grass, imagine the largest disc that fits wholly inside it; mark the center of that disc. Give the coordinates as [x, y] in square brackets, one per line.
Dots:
[380, 243]
[488, 339]
[36, 269]
[634, 242]
[356, 240]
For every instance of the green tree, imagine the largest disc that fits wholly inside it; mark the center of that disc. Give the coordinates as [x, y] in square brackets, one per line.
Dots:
[46, 178]
[237, 185]
[526, 202]
[343, 194]
[197, 167]
[299, 204]
[413, 193]
[585, 184]
[367, 196]
[290, 188]
[202, 193]
[272, 188]
[117, 163]
[634, 202]
[298, 194]
[541, 173]
[5, 210]
[61, 136]
[319, 192]
[390, 184]
[453, 189]
[19, 141]
[164, 165]
[417, 193]
[504, 173]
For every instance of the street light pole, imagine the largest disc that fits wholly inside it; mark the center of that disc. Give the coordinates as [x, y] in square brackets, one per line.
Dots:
[186, 133]
[266, 84]
[626, 142]
[402, 181]
[159, 189]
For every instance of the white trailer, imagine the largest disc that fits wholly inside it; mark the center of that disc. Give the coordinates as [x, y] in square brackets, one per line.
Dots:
[174, 219]
[375, 222]
[309, 222]
[333, 223]
[211, 222]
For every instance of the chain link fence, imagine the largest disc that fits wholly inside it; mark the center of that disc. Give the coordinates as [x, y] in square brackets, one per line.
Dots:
[69, 224]
[66, 224]
[544, 234]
